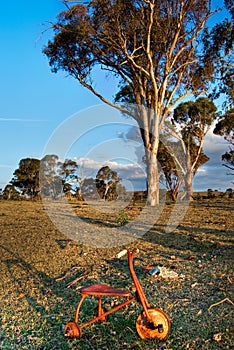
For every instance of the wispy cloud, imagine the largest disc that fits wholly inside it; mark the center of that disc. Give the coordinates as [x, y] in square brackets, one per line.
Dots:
[6, 166]
[21, 120]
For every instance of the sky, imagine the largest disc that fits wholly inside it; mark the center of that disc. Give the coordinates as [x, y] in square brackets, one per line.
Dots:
[35, 102]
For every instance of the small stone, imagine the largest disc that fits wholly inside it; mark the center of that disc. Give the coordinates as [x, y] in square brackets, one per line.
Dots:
[217, 337]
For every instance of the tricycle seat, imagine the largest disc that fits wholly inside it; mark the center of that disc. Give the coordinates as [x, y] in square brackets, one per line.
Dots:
[104, 289]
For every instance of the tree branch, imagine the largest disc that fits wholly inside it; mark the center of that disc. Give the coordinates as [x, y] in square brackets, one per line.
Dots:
[102, 98]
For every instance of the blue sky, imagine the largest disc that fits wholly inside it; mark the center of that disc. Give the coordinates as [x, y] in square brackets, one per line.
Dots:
[34, 101]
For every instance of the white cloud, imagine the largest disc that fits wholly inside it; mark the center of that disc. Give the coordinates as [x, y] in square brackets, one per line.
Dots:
[127, 171]
[202, 171]
[214, 144]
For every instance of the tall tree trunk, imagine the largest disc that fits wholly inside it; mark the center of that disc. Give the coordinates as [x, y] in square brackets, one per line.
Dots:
[174, 193]
[79, 194]
[152, 179]
[189, 180]
[189, 186]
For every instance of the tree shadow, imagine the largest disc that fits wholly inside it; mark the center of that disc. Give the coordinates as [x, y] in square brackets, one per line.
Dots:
[186, 240]
[37, 288]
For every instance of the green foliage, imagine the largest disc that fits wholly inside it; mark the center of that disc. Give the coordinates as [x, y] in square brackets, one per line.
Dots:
[225, 126]
[57, 177]
[210, 193]
[151, 47]
[106, 183]
[68, 172]
[88, 188]
[170, 173]
[49, 177]
[195, 117]
[26, 177]
[218, 55]
[229, 192]
[50, 181]
[107, 32]
[122, 218]
[192, 120]
[228, 157]
[10, 193]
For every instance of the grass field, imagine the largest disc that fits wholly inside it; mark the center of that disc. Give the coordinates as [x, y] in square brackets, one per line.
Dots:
[38, 262]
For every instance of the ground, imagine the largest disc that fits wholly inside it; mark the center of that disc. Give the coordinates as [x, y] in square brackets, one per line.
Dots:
[38, 262]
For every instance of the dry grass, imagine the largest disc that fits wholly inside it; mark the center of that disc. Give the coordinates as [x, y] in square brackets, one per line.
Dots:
[37, 263]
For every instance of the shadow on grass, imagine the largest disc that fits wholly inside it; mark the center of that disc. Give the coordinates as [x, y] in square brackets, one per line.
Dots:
[42, 294]
[36, 288]
[192, 240]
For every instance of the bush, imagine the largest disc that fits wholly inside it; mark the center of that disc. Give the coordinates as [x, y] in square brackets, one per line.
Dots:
[210, 193]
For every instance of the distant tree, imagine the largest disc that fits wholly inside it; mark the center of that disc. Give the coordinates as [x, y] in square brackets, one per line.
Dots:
[153, 47]
[192, 121]
[26, 177]
[67, 170]
[122, 192]
[80, 181]
[50, 179]
[229, 192]
[173, 167]
[106, 183]
[169, 172]
[210, 193]
[10, 192]
[225, 127]
[88, 189]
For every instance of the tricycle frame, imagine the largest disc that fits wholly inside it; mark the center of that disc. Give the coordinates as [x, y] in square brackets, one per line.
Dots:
[152, 323]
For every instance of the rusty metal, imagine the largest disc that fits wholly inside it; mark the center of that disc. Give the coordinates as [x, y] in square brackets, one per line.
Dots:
[151, 323]
[72, 330]
[157, 328]
[101, 310]
[139, 290]
[117, 307]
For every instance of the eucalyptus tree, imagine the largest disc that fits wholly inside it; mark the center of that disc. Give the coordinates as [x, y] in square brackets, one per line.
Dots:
[68, 171]
[153, 47]
[228, 158]
[218, 52]
[106, 183]
[174, 170]
[192, 120]
[50, 179]
[26, 177]
[225, 127]
[10, 193]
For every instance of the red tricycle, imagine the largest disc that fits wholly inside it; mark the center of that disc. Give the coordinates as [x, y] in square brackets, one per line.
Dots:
[152, 323]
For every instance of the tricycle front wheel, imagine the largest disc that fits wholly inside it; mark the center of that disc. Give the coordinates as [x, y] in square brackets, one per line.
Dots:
[157, 328]
[71, 330]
